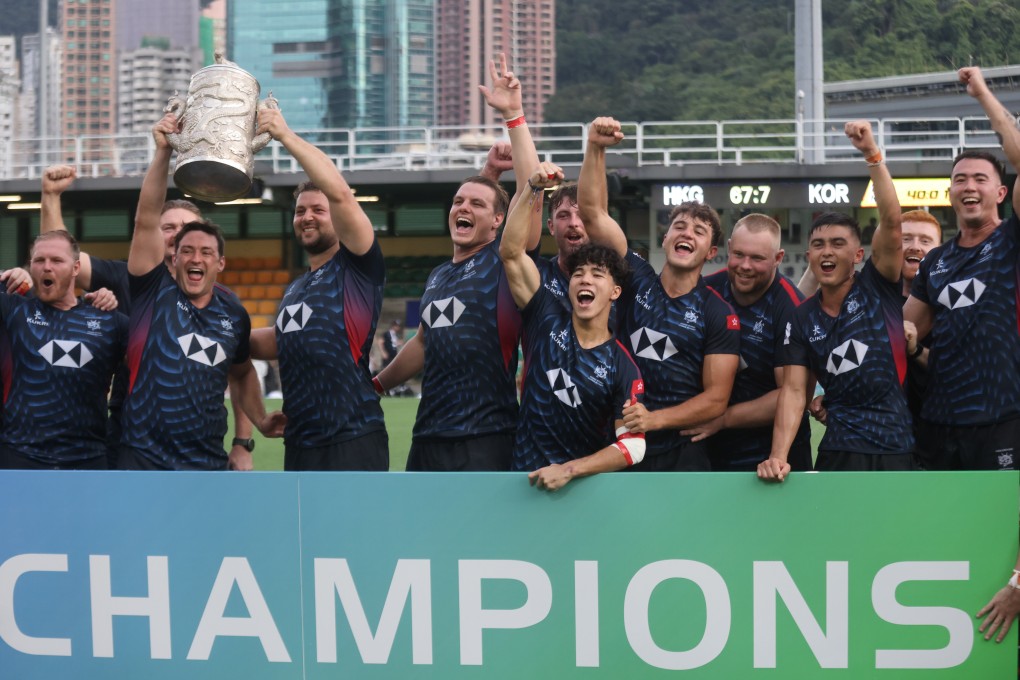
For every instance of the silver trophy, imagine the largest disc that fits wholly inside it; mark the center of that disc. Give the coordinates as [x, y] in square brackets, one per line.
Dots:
[217, 144]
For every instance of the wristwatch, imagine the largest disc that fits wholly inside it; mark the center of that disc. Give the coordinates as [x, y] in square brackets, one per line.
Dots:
[248, 444]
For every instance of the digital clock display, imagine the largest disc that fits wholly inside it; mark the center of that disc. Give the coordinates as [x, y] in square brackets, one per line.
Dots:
[750, 194]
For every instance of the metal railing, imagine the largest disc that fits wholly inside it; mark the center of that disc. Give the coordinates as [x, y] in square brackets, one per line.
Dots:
[656, 143]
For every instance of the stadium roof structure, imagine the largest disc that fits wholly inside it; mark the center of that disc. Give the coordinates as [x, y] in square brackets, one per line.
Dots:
[919, 95]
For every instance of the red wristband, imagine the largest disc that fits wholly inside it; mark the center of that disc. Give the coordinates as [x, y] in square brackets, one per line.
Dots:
[378, 385]
[515, 122]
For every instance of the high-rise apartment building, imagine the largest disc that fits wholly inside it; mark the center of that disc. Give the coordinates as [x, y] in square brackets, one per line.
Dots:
[471, 32]
[9, 86]
[339, 63]
[88, 75]
[29, 122]
[146, 78]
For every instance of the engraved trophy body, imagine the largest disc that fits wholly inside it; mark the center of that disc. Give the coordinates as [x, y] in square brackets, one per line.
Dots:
[217, 143]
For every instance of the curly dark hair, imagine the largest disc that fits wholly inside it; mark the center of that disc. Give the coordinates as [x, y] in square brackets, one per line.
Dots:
[600, 256]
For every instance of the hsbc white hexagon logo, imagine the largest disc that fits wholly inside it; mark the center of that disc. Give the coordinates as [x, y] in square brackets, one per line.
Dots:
[66, 353]
[442, 313]
[961, 294]
[201, 349]
[563, 387]
[651, 344]
[847, 357]
[293, 317]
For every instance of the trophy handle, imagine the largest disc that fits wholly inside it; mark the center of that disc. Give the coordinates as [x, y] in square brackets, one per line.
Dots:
[176, 105]
[259, 141]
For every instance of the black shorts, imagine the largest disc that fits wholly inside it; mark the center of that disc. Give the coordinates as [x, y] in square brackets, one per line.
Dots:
[852, 461]
[131, 459]
[369, 452]
[685, 457]
[485, 453]
[13, 460]
[799, 459]
[974, 447]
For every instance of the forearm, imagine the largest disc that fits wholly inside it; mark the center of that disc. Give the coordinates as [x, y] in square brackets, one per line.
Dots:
[410, 360]
[246, 391]
[243, 427]
[593, 201]
[608, 459]
[886, 244]
[790, 407]
[755, 413]
[698, 409]
[147, 248]
[1004, 124]
[50, 217]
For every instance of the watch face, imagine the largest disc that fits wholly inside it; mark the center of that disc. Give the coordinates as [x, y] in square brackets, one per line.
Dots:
[246, 443]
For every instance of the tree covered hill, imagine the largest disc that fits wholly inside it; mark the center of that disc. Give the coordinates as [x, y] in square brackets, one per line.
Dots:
[733, 59]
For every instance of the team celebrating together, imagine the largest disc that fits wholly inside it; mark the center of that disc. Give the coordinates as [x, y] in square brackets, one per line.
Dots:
[916, 347]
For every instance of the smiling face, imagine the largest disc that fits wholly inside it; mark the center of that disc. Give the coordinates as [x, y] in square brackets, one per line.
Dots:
[197, 263]
[313, 225]
[473, 218]
[566, 227]
[751, 266]
[833, 250]
[688, 243]
[592, 291]
[975, 193]
[918, 239]
[53, 268]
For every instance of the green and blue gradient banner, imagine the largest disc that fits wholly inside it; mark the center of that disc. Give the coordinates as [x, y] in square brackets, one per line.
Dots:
[271, 575]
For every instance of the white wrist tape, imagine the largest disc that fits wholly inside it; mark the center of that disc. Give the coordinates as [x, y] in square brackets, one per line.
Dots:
[631, 445]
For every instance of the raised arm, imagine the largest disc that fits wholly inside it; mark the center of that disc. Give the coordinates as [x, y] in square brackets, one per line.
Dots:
[56, 179]
[1001, 119]
[352, 225]
[147, 245]
[521, 271]
[592, 193]
[887, 243]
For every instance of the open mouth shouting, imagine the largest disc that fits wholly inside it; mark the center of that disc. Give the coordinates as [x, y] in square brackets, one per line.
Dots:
[585, 298]
[827, 266]
[195, 274]
[463, 225]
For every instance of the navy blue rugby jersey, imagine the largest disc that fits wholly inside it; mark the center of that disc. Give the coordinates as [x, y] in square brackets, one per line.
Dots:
[113, 274]
[669, 339]
[762, 331]
[860, 358]
[974, 359]
[324, 333]
[178, 358]
[571, 397]
[472, 330]
[554, 280]
[56, 367]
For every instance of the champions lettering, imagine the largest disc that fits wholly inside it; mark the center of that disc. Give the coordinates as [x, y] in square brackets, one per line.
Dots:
[408, 605]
